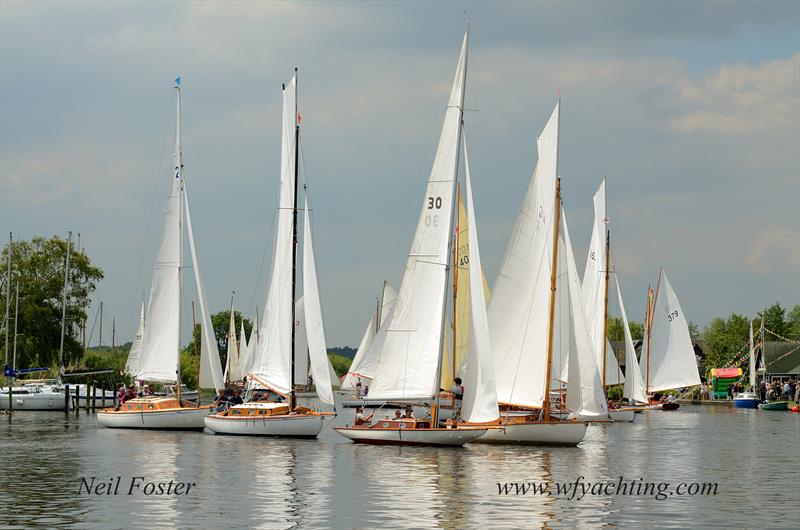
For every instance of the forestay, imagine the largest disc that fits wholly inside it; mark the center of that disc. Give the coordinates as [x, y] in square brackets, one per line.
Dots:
[519, 310]
[409, 360]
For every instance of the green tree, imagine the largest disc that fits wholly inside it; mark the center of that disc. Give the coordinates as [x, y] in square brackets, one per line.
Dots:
[38, 268]
[616, 331]
[221, 321]
[340, 363]
[723, 339]
[774, 320]
[793, 322]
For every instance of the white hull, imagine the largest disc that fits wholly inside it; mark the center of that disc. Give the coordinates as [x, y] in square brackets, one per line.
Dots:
[622, 415]
[295, 425]
[444, 437]
[183, 419]
[556, 433]
[40, 401]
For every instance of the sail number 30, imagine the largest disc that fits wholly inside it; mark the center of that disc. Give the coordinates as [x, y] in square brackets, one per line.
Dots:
[433, 203]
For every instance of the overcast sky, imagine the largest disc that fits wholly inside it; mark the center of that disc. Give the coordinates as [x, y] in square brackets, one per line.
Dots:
[691, 109]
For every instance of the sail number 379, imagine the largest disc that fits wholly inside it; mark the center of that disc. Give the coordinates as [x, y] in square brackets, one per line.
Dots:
[672, 316]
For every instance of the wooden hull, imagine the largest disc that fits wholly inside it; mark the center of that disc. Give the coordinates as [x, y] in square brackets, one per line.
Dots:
[670, 406]
[189, 418]
[624, 414]
[774, 405]
[569, 433]
[395, 436]
[291, 425]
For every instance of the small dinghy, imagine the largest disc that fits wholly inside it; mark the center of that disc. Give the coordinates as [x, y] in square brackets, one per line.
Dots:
[774, 405]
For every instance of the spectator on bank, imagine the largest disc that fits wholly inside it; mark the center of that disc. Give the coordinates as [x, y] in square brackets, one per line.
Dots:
[703, 390]
[762, 391]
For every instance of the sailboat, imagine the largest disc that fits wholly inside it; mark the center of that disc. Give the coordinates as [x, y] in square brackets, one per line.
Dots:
[155, 357]
[233, 371]
[669, 362]
[410, 360]
[366, 359]
[749, 398]
[538, 326]
[272, 366]
[595, 297]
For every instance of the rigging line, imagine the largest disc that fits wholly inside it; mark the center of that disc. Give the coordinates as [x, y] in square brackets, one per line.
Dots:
[159, 168]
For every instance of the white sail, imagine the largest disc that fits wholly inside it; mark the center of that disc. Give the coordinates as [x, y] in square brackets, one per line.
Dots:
[672, 363]
[519, 306]
[210, 366]
[480, 392]
[272, 362]
[366, 358]
[594, 289]
[591, 401]
[242, 344]
[232, 370]
[409, 360]
[300, 343]
[135, 354]
[315, 330]
[160, 341]
[247, 352]
[634, 382]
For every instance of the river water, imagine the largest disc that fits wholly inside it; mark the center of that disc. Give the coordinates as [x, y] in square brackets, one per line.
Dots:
[754, 456]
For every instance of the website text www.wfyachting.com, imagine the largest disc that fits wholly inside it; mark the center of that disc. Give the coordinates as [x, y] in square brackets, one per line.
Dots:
[580, 488]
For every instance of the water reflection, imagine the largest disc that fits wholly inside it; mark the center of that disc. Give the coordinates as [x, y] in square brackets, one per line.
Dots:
[332, 483]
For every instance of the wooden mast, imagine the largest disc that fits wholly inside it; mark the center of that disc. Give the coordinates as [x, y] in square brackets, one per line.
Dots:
[651, 306]
[455, 278]
[553, 275]
[605, 308]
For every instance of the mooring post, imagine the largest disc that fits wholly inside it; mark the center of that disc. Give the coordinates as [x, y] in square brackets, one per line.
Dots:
[66, 398]
[77, 398]
[94, 396]
[10, 401]
[103, 397]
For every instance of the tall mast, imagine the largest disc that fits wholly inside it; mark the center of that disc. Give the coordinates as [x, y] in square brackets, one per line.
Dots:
[605, 308]
[292, 397]
[651, 313]
[179, 174]
[553, 275]
[438, 380]
[8, 292]
[64, 302]
[455, 275]
[100, 340]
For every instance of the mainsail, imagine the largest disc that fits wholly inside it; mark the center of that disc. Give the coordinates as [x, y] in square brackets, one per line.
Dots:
[272, 361]
[519, 307]
[669, 362]
[232, 370]
[410, 356]
[594, 290]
